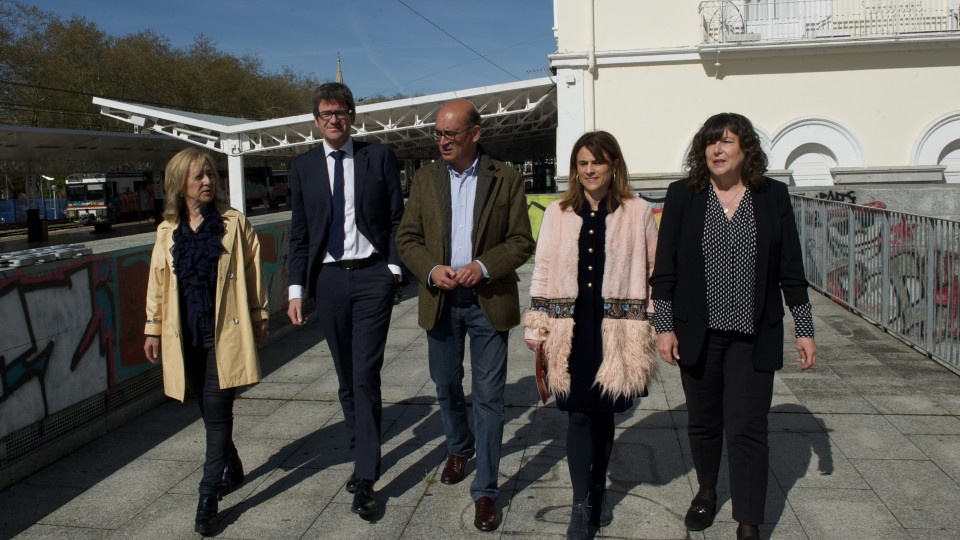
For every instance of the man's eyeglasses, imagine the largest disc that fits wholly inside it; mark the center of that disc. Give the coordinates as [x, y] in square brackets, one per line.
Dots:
[438, 135]
[327, 115]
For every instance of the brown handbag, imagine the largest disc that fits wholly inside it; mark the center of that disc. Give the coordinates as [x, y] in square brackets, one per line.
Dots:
[540, 369]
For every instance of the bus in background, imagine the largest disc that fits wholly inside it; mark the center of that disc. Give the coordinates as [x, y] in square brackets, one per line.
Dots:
[101, 199]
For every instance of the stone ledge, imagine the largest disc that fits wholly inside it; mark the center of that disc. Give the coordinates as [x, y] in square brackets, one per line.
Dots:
[917, 174]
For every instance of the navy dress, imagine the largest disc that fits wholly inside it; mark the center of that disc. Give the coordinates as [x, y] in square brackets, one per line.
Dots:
[586, 352]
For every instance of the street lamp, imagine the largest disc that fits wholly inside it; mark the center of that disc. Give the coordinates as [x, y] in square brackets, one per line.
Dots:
[50, 187]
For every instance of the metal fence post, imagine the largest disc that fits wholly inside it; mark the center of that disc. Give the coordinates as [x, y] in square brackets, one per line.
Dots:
[822, 244]
[851, 247]
[929, 327]
[885, 271]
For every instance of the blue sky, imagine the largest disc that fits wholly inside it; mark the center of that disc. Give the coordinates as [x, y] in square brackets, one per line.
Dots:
[384, 46]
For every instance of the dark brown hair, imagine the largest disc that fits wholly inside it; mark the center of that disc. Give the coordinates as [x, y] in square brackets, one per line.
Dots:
[604, 148]
[754, 159]
[333, 91]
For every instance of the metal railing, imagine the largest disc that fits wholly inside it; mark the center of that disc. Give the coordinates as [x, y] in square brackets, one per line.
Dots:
[737, 21]
[897, 270]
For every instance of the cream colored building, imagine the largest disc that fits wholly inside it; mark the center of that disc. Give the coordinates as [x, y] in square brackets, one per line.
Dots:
[841, 91]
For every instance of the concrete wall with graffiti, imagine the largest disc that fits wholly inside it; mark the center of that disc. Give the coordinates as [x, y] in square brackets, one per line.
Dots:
[74, 328]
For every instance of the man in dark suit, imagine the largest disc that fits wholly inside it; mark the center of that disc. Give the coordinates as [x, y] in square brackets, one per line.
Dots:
[346, 206]
[463, 235]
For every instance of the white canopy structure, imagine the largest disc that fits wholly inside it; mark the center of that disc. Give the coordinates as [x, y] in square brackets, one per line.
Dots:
[519, 120]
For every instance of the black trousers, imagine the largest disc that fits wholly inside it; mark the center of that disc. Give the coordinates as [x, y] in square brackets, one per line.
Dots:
[354, 308]
[725, 394]
[216, 407]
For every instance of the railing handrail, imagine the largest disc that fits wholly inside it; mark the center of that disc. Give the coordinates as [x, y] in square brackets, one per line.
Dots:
[868, 207]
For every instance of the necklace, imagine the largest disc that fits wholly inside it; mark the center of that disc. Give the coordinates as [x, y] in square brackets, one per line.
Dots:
[732, 201]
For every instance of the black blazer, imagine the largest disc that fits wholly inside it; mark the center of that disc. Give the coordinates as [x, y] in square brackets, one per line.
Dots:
[378, 202]
[679, 273]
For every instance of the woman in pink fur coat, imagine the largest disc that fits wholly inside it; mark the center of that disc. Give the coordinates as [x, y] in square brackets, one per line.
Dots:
[589, 301]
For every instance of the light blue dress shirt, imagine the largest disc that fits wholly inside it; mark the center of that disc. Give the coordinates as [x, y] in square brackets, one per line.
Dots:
[463, 196]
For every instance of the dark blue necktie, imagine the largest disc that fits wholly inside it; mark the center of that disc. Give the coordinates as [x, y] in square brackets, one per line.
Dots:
[335, 237]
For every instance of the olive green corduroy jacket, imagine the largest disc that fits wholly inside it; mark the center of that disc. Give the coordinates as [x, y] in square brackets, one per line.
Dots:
[502, 240]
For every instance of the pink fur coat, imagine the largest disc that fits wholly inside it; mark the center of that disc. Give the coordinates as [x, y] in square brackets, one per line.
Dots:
[629, 340]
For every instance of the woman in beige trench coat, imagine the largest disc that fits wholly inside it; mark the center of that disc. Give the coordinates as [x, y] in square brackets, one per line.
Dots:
[206, 313]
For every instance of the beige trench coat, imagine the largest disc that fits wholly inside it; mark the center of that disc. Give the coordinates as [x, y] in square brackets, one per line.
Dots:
[240, 300]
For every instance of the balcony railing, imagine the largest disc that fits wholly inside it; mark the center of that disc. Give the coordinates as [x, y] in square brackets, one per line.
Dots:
[738, 21]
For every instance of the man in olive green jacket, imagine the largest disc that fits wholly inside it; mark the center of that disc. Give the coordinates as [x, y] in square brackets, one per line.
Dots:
[464, 232]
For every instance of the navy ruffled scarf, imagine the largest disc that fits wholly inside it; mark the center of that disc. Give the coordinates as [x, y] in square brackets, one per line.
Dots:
[196, 256]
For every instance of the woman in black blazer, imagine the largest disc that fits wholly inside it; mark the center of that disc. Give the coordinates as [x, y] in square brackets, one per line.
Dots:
[728, 246]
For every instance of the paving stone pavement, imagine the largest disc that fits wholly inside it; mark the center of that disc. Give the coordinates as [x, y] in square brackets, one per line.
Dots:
[866, 445]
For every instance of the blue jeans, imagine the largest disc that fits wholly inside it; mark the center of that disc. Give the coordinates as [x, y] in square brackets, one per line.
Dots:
[460, 316]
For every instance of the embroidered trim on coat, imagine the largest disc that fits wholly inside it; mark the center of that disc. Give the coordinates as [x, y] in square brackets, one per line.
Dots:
[619, 308]
[556, 308]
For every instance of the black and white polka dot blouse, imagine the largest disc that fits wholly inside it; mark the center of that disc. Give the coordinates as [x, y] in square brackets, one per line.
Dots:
[730, 255]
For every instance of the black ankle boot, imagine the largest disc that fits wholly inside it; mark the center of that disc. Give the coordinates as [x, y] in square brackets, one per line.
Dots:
[579, 528]
[206, 515]
[598, 510]
[232, 474]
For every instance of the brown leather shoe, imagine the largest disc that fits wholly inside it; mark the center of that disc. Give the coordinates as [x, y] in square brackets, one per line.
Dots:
[487, 517]
[453, 471]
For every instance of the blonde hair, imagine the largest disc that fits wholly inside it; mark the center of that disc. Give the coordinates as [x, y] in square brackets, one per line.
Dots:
[179, 169]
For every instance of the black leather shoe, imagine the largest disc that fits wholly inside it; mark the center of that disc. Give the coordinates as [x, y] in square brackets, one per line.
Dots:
[741, 535]
[206, 515]
[232, 475]
[351, 484]
[700, 515]
[364, 504]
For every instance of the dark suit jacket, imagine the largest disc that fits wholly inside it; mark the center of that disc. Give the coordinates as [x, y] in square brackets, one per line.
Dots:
[679, 274]
[501, 237]
[378, 202]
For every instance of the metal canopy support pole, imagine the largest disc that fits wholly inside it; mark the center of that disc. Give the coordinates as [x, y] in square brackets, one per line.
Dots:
[235, 171]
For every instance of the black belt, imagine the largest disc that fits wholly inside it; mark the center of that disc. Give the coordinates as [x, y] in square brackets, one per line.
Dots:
[355, 264]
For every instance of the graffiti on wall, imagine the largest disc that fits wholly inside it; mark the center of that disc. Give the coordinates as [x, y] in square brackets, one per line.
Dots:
[57, 338]
[842, 196]
[73, 329]
[903, 284]
[273, 259]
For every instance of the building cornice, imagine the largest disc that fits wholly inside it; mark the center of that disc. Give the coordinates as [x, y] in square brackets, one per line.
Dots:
[676, 55]
[759, 49]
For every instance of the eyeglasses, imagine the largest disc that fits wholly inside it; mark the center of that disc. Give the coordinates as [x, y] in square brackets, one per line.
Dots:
[342, 114]
[438, 135]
